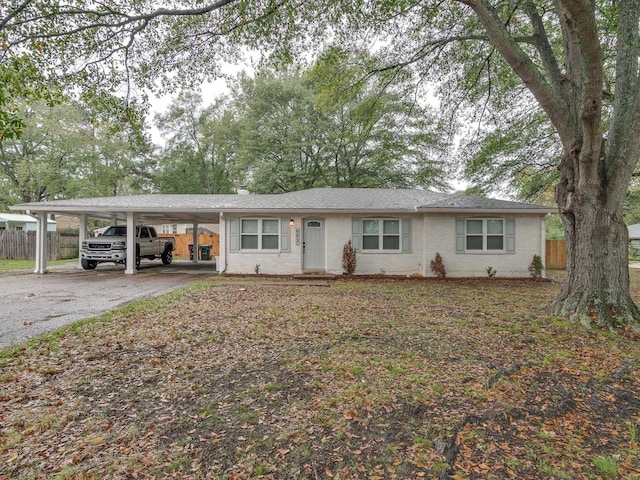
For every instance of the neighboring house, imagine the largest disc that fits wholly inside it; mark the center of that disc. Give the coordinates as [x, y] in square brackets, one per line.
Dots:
[634, 236]
[26, 223]
[394, 231]
[66, 223]
[182, 228]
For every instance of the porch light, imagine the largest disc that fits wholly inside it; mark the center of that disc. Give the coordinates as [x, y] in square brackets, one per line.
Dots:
[292, 223]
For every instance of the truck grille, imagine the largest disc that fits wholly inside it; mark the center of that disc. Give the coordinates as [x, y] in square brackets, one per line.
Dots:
[100, 246]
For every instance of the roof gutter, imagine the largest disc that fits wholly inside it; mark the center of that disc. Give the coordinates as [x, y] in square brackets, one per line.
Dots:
[490, 211]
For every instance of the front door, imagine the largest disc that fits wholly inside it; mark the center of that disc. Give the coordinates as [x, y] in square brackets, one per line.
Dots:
[313, 244]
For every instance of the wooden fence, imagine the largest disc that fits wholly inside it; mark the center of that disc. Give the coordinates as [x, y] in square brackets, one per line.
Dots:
[21, 245]
[183, 241]
[556, 255]
[68, 245]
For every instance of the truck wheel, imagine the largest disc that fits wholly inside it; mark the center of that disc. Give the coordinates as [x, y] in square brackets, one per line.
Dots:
[167, 255]
[88, 264]
[137, 257]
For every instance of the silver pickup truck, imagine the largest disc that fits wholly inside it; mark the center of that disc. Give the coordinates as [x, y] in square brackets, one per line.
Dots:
[111, 246]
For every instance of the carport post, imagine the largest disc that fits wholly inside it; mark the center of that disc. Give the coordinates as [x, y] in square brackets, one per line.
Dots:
[196, 247]
[41, 243]
[131, 244]
[82, 235]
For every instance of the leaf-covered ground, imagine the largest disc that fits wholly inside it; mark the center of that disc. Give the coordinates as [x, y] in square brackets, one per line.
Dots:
[361, 379]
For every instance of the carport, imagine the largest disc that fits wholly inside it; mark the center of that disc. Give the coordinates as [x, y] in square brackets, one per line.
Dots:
[133, 210]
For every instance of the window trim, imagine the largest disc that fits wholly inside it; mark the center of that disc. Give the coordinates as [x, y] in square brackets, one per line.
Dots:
[381, 235]
[509, 235]
[485, 235]
[260, 234]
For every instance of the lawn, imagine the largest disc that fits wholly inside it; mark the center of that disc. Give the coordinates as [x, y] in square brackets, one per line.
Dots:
[362, 379]
[11, 264]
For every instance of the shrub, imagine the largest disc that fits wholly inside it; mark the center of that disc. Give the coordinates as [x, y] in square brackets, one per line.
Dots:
[536, 267]
[491, 272]
[437, 267]
[349, 258]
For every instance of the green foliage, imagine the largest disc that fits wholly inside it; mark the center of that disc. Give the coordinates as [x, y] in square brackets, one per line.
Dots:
[632, 204]
[517, 152]
[554, 229]
[491, 272]
[536, 267]
[22, 82]
[333, 124]
[276, 132]
[69, 150]
[200, 151]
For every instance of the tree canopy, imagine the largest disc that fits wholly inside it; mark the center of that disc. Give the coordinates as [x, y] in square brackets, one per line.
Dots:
[69, 150]
[325, 125]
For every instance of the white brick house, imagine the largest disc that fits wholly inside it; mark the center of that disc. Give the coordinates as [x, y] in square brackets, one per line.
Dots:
[394, 231]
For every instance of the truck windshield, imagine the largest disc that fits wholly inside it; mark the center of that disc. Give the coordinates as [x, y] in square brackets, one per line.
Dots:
[116, 232]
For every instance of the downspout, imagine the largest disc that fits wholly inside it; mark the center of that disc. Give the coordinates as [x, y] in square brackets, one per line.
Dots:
[543, 243]
[222, 241]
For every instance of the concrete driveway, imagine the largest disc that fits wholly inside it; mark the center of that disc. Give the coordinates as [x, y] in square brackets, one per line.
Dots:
[31, 304]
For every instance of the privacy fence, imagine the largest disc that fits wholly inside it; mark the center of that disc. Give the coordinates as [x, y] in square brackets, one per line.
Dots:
[185, 239]
[556, 255]
[21, 245]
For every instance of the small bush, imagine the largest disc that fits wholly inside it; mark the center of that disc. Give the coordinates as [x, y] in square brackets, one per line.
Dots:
[491, 272]
[536, 267]
[437, 267]
[349, 258]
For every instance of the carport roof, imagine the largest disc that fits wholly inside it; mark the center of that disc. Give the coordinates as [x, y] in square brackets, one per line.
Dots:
[160, 208]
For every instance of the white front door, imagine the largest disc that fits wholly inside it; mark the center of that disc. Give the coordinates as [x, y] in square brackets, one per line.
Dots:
[313, 244]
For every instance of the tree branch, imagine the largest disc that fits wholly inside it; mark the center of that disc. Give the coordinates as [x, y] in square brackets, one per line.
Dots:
[522, 65]
[626, 117]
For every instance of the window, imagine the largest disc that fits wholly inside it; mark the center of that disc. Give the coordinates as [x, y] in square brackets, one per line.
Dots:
[379, 234]
[260, 234]
[484, 235]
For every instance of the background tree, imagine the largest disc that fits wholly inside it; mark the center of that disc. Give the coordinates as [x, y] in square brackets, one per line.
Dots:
[68, 151]
[381, 134]
[332, 125]
[283, 134]
[199, 154]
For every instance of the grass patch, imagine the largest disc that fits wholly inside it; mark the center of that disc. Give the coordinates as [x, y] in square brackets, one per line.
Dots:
[364, 379]
[11, 264]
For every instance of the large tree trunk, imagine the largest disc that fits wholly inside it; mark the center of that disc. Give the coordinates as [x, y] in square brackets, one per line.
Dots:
[596, 291]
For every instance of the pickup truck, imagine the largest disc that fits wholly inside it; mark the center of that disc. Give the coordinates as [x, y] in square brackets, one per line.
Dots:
[111, 246]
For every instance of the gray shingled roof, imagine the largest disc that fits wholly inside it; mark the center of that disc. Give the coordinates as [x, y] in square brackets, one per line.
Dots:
[312, 200]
